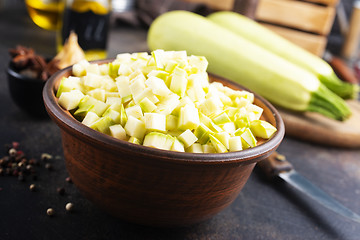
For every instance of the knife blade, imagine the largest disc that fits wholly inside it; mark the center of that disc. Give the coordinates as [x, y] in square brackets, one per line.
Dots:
[277, 166]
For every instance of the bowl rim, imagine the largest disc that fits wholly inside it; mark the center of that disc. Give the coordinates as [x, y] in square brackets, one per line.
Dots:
[12, 71]
[70, 124]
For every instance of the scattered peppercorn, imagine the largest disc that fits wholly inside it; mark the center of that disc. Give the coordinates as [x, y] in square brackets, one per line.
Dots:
[68, 179]
[33, 161]
[32, 187]
[48, 166]
[50, 212]
[28, 167]
[61, 190]
[15, 145]
[45, 157]
[69, 207]
[16, 163]
[12, 152]
[20, 155]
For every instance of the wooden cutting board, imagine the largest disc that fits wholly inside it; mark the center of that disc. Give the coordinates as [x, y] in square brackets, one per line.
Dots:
[315, 128]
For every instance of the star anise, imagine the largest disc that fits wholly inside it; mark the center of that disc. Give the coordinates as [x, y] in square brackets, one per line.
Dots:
[27, 61]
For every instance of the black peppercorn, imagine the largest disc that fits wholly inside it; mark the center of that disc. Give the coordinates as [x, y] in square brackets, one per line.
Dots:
[19, 155]
[33, 161]
[15, 173]
[48, 166]
[13, 165]
[61, 190]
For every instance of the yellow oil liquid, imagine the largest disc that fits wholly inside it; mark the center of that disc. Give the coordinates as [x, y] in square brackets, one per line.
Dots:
[45, 14]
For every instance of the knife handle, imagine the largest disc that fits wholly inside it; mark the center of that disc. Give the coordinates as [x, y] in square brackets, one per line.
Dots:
[343, 71]
[274, 164]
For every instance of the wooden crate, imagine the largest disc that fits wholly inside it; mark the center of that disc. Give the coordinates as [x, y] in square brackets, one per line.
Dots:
[304, 16]
[306, 23]
[216, 4]
[311, 42]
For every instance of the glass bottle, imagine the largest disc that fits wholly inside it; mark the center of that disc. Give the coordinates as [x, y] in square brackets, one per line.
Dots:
[90, 20]
[44, 13]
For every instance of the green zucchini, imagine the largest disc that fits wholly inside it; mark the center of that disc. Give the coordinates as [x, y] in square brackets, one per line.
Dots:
[260, 35]
[237, 59]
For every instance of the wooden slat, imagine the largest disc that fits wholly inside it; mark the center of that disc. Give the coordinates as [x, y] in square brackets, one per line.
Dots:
[325, 2]
[216, 4]
[313, 43]
[295, 14]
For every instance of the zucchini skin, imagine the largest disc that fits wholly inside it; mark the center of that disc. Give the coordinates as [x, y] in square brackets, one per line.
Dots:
[235, 58]
[253, 31]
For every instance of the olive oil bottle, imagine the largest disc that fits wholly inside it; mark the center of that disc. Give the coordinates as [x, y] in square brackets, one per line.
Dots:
[89, 19]
[45, 13]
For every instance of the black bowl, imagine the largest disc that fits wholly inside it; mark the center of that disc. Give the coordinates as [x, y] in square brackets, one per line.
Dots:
[26, 92]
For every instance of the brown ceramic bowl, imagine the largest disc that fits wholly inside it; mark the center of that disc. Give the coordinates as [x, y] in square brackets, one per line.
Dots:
[151, 186]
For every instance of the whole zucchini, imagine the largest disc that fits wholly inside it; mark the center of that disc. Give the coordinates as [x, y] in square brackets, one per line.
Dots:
[260, 35]
[235, 58]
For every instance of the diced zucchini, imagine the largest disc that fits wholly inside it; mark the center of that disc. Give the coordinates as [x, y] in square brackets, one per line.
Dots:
[249, 138]
[163, 100]
[158, 140]
[102, 124]
[117, 131]
[262, 129]
[155, 122]
[135, 127]
[235, 144]
[70, 100]
[188, 118]
[187, 138]
[219, 147]
[147, 105]
[195, 148]
[90, 118]
[177, 146]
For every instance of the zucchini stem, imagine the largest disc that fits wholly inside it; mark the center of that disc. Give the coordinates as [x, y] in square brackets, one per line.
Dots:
[329, 104]
[343, 89]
